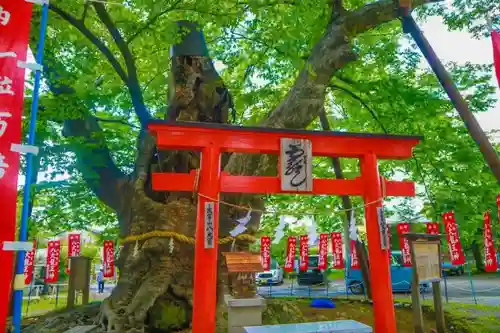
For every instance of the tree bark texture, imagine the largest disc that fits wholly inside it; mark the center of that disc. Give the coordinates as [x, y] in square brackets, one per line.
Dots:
[154, 292]
[478, 258]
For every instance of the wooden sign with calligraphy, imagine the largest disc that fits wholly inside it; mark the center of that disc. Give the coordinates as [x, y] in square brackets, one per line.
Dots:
[296, 165]
[383, 229]
[209, 225]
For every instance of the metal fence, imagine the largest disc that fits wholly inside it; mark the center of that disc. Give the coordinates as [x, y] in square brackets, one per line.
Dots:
[473, 290]
[485, 290]
[42, 298]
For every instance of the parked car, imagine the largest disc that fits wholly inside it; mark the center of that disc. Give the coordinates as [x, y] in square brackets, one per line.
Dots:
[401, 277]
[449, 268]
[272, 276]
[313, 275]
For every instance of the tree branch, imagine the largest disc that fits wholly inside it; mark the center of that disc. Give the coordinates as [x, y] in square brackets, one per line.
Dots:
[153, 20]
[85, 10]
[92, 38]
[117, 121]
[363, 103]
[374, 14]
[338, 9]
[337, 168]
[305, 100]
[94, 159]
[332, 52]
[132, 81]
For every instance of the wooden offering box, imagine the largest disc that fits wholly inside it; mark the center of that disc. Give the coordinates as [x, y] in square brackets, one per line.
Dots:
[242, 267]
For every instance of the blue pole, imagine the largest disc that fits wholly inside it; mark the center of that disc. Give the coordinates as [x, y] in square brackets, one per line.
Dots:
[473, 291]
[23, 233]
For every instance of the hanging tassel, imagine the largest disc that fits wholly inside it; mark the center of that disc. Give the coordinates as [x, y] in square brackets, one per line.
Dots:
[171, 245]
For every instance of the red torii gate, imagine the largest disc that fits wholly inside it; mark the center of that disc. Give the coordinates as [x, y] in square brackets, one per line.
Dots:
[213, 139]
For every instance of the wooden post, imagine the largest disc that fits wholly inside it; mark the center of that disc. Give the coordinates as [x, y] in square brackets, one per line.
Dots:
[470, 121]
[438, 306]
[418, 317]
[427, 266]
[79, 280]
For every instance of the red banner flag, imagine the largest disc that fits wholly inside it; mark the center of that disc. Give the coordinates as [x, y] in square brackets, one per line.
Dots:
[265, 252]
[29, 263]
[109, 259]
[404, 244]
[338, 253]
[74, 245]
[73, 248]
[355, 264]
[291, 250]
[495, 38]
[323, 252]
[15, 17]
[454, 245]
[498, 207]
[432, 228]
[304, 253]
[53, 259]
[490, 256]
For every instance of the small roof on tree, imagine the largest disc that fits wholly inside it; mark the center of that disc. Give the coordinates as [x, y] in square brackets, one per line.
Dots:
[243, 262]
[193, 41]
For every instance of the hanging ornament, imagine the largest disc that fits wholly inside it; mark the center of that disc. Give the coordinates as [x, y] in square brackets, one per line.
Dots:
[353, 231]
[241, 227]
[353, 235]
[313, 235]
[136, 249]
[279, 230]
[171, 245]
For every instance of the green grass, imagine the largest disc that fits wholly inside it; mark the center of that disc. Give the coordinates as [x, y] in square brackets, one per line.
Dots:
[337, 274]
[44, 304]
[468, 318]
[345, 309]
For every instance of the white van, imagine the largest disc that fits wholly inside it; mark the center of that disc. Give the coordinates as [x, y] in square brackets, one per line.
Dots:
[272, 276]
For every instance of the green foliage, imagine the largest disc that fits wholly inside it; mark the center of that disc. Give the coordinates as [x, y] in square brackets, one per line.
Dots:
[260, 45]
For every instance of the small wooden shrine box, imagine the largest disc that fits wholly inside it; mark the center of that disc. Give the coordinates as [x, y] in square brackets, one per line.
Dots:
[242, 267]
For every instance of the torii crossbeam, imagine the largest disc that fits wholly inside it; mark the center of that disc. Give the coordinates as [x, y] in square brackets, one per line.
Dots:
[213, 139]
